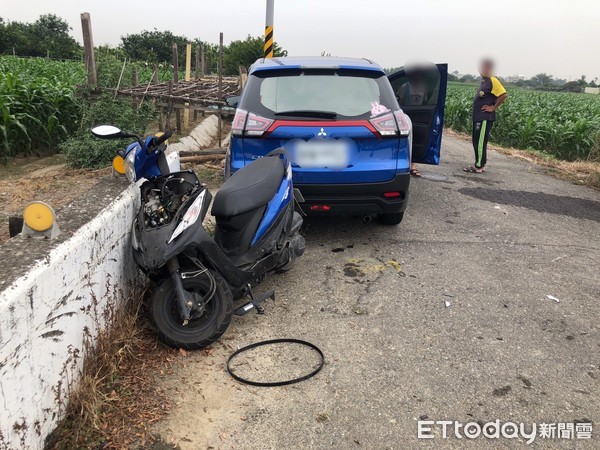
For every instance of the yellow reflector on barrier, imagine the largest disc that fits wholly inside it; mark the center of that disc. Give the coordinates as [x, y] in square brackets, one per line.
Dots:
[119, 164]
[38, 216]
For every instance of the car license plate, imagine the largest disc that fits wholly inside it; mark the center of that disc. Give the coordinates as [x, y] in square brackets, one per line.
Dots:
[322, 153]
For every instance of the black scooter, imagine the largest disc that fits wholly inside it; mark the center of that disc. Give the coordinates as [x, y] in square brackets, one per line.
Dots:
[198, 275]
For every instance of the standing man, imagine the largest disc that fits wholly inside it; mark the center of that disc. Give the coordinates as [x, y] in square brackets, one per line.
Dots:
[490, 95]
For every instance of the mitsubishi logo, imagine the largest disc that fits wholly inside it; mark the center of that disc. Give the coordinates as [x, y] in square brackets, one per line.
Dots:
[322, 133]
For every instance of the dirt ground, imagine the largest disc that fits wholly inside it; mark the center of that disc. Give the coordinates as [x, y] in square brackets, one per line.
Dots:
[585, 173]
[46, 179]
[445, 317]
[50, 180]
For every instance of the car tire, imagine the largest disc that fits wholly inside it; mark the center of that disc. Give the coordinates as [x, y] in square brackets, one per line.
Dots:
[390, 218]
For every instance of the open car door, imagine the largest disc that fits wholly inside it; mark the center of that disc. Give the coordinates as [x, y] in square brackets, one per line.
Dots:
[421, 93]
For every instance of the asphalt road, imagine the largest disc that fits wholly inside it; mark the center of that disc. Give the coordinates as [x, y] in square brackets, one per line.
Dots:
[444, 317]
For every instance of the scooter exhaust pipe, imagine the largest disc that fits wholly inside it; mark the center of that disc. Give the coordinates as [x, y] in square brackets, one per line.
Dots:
[367, 218]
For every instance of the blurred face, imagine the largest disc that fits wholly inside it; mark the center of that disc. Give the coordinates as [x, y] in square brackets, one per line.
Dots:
[486, 69]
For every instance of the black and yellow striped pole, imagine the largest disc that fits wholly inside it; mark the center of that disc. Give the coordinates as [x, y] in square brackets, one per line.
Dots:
[269, 29]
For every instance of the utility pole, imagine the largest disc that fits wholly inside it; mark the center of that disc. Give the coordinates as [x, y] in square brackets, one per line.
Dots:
[269, 29]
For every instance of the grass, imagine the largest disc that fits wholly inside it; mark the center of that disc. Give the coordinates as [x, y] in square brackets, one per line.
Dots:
[117, 400]
[38, 105]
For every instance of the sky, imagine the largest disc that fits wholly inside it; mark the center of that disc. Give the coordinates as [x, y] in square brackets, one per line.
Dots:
[526, 37]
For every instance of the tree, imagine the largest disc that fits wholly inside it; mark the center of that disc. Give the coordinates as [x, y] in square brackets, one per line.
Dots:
[52, 34]
[47, 36]
[541, 79]
[571, 86]
[245, 53]
[468, 78]
[154, 46]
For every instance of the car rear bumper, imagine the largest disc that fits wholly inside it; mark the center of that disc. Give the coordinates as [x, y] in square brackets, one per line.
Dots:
[359, 198]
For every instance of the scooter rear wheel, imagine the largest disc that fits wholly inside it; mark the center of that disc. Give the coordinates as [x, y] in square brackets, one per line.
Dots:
[202, 329]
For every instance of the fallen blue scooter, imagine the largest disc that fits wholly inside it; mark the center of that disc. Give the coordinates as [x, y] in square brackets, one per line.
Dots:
[198, 276]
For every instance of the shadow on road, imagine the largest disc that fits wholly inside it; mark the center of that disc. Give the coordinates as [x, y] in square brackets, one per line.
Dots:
[578, 208]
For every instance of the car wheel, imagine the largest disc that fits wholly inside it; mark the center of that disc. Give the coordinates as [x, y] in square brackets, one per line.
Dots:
[390, 218]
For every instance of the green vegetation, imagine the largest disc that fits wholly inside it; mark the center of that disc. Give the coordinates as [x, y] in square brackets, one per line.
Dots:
[564, 125]
[38, 105]
[43, 103]
[245, 53]
[48, 36]
[84, 150]
[157, 46]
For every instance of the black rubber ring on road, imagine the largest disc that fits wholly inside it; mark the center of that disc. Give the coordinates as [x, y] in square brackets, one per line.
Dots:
[276, 383]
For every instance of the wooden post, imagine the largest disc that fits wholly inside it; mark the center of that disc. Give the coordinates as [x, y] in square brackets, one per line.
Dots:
[88, 44]
[155, 74]
[160, 110]
[134, 82]
[203, 70]
[243, 76]
[175, 81]
[220, 86]
[169, 107]
[198, 69]
[188, 73]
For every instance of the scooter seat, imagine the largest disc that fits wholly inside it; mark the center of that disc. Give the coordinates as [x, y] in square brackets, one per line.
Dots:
[249, 188]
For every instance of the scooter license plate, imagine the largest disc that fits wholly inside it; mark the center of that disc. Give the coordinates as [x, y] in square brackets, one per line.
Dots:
[322, 153]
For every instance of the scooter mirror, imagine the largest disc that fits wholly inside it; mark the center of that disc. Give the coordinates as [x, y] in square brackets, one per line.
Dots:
[107, 132]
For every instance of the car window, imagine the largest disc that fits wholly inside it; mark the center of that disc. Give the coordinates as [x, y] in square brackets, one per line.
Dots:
[347, 94]
[417, 88]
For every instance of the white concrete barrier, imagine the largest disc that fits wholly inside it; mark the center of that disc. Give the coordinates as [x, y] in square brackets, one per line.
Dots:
[46, 314]
[200, 137]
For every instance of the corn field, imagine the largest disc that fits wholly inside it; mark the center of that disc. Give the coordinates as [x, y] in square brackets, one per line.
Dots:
[38, 105]
[561, 124]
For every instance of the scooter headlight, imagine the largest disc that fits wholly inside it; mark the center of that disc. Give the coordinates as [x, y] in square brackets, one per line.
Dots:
[190, 217]
[130, 165]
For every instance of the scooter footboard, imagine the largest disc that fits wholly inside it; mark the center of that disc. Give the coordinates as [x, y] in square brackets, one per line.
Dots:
[212, 254]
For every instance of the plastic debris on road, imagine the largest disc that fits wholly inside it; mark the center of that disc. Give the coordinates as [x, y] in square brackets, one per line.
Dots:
[552, 297]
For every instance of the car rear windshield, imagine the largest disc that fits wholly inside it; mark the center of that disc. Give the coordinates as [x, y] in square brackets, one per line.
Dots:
[331, 94]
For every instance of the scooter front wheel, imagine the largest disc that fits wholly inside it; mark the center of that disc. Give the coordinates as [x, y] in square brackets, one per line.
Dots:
[204, 327]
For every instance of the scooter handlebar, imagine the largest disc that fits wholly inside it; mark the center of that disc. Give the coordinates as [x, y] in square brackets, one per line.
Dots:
[166, 135]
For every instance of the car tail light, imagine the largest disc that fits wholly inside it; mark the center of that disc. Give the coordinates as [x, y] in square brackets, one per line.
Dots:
[391, 194]
[320, 208]
[249, 124]
[403, 122]
[385, 125]
[257, 125]
[239, 121]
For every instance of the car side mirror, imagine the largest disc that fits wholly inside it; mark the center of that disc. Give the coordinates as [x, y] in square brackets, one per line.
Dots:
[233, 101]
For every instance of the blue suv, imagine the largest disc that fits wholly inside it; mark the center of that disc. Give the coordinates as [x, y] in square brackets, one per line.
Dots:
[348, 129]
